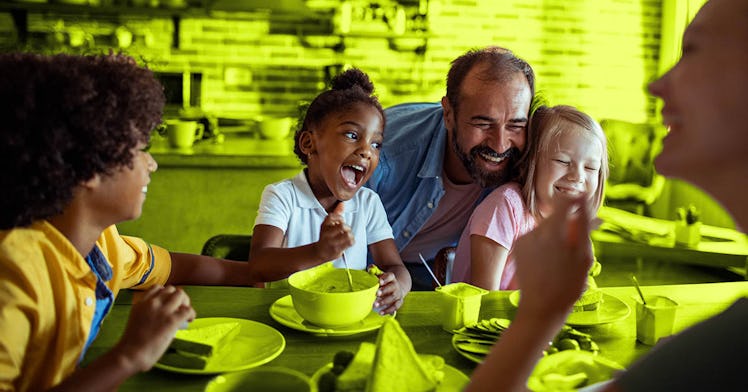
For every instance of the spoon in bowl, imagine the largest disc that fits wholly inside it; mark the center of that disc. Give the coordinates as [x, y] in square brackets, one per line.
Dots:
[348, 272]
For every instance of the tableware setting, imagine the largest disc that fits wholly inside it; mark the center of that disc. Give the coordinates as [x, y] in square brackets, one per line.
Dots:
[264, 378]
[222, 344]
[655, 317]
[609, 310]
[570, 370]
[391, 363]
[454, 380]
[322, 296]
[285, 314]
[460, 304]
[475, 341]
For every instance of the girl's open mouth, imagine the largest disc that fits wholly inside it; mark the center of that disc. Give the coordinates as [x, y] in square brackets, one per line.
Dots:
[352, 174]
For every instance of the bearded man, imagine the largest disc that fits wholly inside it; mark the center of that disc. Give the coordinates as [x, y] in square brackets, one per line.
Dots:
[439, 160]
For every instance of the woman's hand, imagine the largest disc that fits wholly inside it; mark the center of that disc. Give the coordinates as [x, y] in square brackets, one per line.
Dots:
[553, 259]
[153, 322]
[390, 295]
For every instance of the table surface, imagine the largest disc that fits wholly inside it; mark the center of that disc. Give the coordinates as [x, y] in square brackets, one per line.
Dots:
[418, 316]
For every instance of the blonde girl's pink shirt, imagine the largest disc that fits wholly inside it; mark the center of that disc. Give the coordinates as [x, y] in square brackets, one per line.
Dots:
[502, 217]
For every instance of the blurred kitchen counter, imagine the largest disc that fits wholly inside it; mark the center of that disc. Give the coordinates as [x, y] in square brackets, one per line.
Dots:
[208, 189]
[234, 151]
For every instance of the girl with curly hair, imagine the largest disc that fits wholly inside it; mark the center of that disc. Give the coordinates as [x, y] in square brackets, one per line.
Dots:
[302, 223]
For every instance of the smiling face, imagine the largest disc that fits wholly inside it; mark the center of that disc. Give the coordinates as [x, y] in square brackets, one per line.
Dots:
[343, 152]
[705, 97]
[488, 129]
[571, 168]
[120, 196]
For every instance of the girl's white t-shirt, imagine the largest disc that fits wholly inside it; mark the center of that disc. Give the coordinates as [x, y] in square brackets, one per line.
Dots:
[291, 206]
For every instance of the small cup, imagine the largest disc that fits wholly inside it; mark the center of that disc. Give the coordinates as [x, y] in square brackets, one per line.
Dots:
[688, 234]
[655, 319]
[460, 304]
[182, 134]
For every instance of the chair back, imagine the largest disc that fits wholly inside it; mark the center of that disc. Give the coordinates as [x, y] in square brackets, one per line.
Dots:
[228, 246]
[633, 183]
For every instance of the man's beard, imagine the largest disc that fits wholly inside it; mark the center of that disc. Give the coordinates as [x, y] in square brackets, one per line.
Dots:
[482, 177]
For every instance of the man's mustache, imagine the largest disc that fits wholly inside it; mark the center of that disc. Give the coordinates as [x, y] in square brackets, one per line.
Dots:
[511, 152]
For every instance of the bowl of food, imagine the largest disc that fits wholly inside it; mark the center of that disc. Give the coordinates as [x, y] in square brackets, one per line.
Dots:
[266, 378]
[322, 295]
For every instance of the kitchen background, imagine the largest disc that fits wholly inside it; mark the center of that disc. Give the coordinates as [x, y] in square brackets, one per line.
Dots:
[234, 64]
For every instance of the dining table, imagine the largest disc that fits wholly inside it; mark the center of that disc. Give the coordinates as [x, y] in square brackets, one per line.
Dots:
[420, 318]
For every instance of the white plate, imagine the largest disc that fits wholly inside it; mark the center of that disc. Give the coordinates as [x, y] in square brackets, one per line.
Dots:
[611, 309]
[454, 380]
[590, 367]
[255, 345]
[283, 312]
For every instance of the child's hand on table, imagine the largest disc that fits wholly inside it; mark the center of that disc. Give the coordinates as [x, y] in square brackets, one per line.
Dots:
[390, 294]
[152, 324]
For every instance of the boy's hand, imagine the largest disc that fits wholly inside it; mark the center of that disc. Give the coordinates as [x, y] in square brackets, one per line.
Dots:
[153, 322]
[390, 295]
[334, 235]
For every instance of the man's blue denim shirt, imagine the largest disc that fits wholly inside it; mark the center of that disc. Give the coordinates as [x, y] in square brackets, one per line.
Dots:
[408, 178]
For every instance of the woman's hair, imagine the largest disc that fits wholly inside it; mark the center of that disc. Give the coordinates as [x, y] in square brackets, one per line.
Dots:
[547, 124]
[346, 90]
[64, 119]
[501, 65]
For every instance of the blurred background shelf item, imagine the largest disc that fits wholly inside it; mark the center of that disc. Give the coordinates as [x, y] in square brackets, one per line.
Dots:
[624, 235]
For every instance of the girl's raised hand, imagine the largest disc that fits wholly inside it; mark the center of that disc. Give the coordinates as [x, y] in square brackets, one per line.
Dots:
[390, 294]
[152, 324]
[334, 235]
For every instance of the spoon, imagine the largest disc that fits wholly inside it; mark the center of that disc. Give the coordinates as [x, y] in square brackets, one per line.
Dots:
[429, 269]
[348, 272]
[638, 289]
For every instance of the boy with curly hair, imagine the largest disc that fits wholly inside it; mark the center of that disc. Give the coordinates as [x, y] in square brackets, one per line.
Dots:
[75, 132]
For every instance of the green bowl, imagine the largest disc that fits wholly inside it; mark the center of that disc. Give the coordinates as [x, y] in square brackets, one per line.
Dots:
[322, 296]
[266, 378]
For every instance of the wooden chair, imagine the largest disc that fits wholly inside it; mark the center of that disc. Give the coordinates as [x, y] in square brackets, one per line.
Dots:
[443, 262]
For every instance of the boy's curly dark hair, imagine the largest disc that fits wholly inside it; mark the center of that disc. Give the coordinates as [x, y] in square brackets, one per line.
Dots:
[66, 118]
[347, 89]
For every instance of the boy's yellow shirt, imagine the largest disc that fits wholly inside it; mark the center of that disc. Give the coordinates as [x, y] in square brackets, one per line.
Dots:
[47, 298]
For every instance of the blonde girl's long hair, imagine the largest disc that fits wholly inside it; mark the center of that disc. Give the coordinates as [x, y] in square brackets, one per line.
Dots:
[547, 125]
